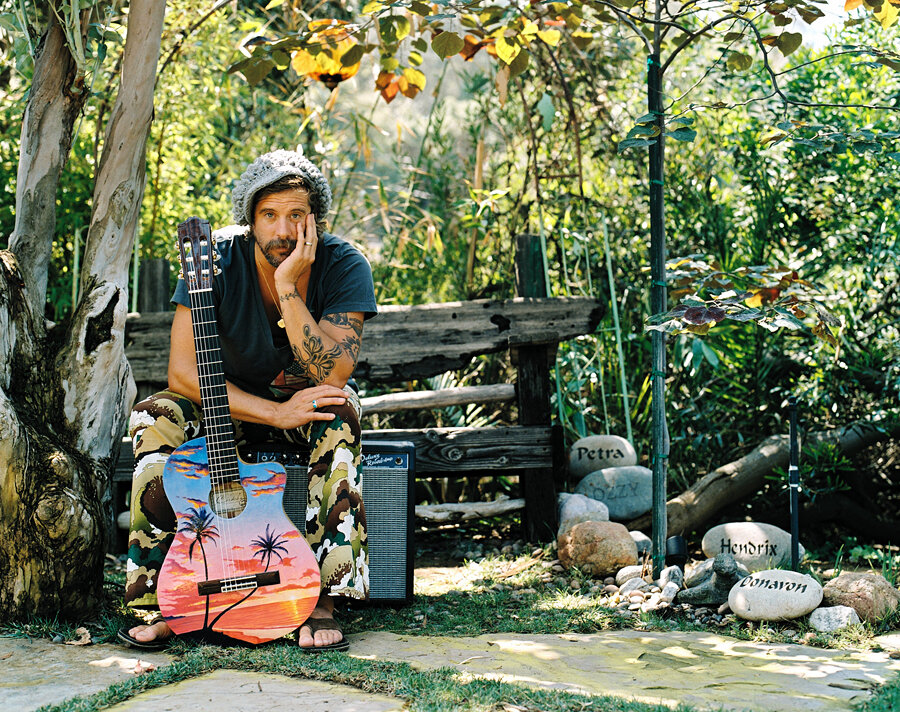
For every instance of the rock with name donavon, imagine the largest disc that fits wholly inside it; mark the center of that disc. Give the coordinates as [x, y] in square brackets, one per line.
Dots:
[755, 545]
[774, 595]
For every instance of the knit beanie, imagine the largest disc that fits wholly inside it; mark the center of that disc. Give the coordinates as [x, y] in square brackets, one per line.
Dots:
[267, 169]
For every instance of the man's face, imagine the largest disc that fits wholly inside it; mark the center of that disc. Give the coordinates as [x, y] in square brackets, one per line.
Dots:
[278, 222]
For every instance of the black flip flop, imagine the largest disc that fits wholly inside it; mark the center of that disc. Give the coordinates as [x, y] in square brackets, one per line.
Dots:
[126, 638]
[316, 624]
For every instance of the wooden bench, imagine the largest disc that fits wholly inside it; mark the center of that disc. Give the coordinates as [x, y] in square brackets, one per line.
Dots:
[407, 343]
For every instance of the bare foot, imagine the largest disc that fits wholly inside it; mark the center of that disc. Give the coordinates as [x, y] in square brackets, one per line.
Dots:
[151, 632]
[328, 636]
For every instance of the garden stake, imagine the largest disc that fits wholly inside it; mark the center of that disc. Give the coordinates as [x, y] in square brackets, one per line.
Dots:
[794, 482]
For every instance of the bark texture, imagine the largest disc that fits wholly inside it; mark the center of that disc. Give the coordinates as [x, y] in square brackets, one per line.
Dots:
[742, 478]
[64, 397]
[54, 101]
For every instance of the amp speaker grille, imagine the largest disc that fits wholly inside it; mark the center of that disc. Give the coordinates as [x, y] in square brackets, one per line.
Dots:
[388, 483]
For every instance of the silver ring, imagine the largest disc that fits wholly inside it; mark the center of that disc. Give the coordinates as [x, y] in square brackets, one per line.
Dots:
[307, 243]
[314, 403]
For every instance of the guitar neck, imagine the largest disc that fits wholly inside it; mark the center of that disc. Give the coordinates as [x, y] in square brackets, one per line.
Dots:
[213, 389]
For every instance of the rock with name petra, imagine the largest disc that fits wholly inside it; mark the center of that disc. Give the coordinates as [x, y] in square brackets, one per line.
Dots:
[870, 595]
[626, 491]
[829, 619]
[577, 508]
[598, 451]
[774, 595]
[755, 545]
[598, 548]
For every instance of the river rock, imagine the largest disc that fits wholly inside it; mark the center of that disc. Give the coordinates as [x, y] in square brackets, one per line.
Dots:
[700, 572]
[577, 508]
[598, 451]
[626, 491]
[870, 595]
[829, 619]
[643, 542]
[671, 574]
[598, 548]
[757, 546]
[714, 590]
[628, 572]
[774, 594]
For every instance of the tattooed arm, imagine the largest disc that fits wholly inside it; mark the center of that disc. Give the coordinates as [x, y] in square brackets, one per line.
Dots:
[328, 351]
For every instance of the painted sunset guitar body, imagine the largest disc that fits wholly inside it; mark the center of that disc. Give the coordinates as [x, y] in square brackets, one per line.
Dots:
[237, 565]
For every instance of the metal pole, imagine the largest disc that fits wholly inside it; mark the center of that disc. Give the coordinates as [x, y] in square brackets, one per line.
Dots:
[794, 484]
[660, 436]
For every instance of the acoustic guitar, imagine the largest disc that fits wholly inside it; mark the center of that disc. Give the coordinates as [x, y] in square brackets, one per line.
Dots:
[237, 566]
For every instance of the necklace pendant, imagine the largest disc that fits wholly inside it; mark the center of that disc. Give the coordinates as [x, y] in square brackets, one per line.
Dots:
[280, 323]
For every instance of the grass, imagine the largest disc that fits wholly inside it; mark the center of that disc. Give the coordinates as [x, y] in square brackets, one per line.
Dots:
[520, 592]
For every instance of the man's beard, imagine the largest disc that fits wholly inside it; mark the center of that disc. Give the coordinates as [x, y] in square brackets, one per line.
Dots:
[273, 245]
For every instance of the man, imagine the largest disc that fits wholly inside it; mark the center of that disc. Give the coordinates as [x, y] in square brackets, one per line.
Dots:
[291, 301]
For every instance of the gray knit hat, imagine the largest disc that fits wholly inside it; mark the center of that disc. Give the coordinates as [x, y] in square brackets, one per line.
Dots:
[268, 168]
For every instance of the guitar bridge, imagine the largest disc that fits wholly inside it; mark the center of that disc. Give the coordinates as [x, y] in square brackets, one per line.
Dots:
[238, 583]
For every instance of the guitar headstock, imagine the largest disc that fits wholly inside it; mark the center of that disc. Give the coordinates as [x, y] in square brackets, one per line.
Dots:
[197, 255]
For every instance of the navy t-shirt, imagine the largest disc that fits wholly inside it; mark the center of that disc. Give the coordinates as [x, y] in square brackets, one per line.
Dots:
[253, 358]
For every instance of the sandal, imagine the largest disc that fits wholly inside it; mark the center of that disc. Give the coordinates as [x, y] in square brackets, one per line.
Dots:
[157, 644]
[316, 624]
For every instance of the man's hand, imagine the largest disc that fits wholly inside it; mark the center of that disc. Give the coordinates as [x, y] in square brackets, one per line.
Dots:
[301, 258]
[299, 409]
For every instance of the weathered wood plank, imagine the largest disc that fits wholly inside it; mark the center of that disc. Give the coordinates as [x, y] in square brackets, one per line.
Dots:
[405, 343]
[419, 400]
[448, 451]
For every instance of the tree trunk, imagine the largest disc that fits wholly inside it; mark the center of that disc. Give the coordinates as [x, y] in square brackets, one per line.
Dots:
[63, 400]
[54, 102]
[742, 478]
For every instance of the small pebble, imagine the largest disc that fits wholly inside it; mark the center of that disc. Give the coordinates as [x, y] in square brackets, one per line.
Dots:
[58, 638]
[634, 607]
[574, 585]
[610, 588]
[609, 580]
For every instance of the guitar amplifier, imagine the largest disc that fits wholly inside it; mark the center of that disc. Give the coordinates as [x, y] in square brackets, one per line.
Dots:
[388, 483]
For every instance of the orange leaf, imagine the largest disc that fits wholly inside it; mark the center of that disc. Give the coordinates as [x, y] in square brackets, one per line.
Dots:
[852, 5]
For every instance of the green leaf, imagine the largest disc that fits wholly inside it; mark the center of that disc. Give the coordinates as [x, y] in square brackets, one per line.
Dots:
[446, 44]
[254, 69]
[709, 355]
[420, 8]
[683, 134]
[273, 3]
[739, 62]
[682, 120]
[520, 63]
[393, 28]
[635, 143]
[788, 42]
[732, 36]
[352, 56]
[643, 130]
[861, 147]
[645, 119]
[370, 8]
[547, 111]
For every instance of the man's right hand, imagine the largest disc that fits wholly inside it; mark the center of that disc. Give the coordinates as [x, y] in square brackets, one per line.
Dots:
[299, 409]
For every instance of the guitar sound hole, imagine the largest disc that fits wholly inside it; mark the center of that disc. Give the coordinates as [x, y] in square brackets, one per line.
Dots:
[228, 500]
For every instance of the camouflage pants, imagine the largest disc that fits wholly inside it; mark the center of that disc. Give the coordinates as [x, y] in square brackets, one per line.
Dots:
[335, 516]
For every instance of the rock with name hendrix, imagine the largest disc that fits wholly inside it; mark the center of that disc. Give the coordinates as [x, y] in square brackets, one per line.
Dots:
[755, 545]
[626, 491]
[598, 451]
[774, 595]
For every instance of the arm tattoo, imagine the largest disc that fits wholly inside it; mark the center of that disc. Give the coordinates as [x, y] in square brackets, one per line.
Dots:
[350, 346]
[290, 295]
[345, 320]
[311, 354]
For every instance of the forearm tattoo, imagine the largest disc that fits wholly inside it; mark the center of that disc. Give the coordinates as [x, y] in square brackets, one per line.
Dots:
[345, 320]
[290, 295]
[312, 354]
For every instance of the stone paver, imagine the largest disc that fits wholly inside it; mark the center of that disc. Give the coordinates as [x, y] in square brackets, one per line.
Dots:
[226, 690]
[699, 669]
[34, 673]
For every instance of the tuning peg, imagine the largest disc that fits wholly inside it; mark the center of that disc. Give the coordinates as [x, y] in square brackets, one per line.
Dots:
[216, 271]
[216, 256]
[181, 275]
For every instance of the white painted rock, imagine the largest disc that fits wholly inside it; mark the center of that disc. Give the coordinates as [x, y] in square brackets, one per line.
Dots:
[626, 491]
[598, 451]
[831, 618]
[757, 546]
[773, 595]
